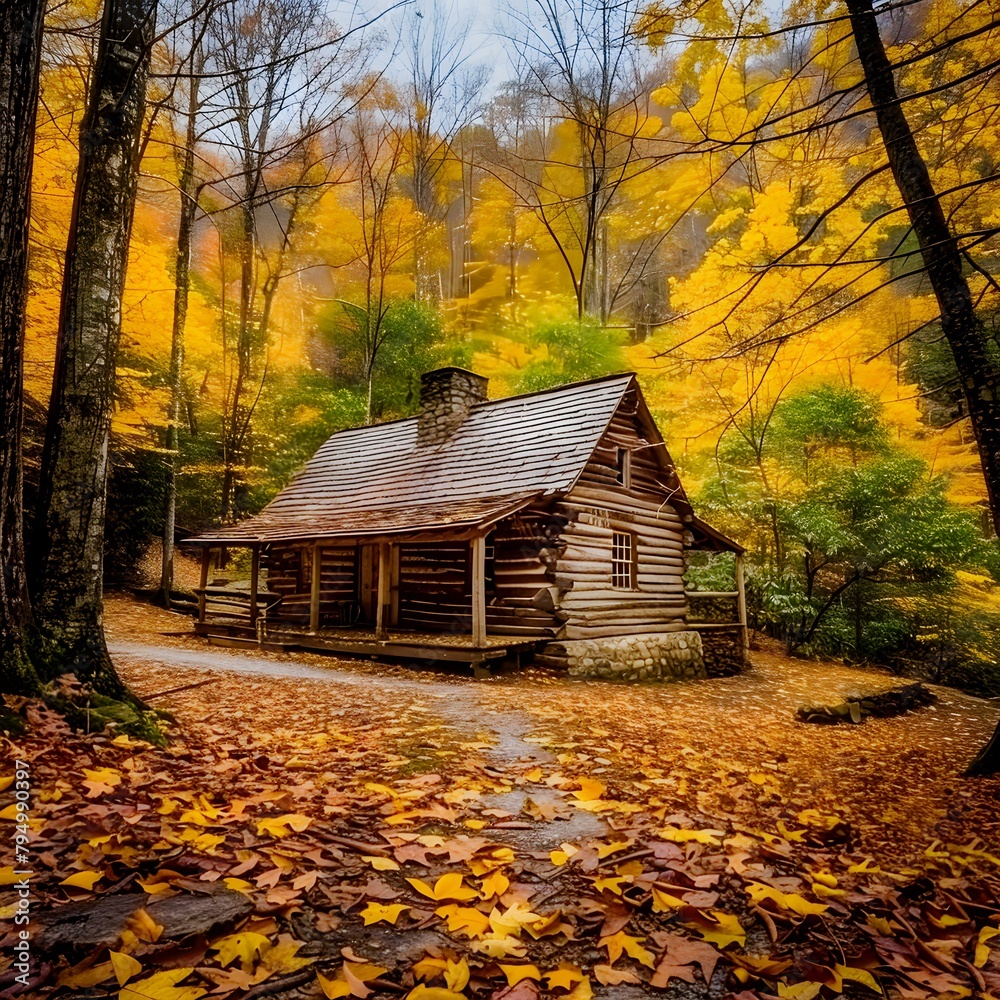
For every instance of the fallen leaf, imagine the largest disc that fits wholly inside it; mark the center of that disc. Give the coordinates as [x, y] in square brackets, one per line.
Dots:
[83, 880]
[125, 966]
[631, 946]
[162, 986]
[373, 913]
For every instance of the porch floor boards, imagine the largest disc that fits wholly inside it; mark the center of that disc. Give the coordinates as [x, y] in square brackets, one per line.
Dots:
[398, 643]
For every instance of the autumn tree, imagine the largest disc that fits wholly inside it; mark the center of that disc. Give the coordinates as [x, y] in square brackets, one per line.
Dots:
[443, 91]
[582, 62]
[69, 534]
[377, 227]
[189, 58]
[283, 69]
[839, 83]
[20, 53]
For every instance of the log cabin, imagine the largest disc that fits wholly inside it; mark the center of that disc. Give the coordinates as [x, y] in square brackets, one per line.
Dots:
[549, 526]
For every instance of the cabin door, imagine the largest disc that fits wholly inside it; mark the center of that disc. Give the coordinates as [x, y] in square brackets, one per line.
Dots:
[368, 581]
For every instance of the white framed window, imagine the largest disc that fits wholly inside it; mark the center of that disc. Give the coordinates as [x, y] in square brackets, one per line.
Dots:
[623, 560]
[624, 467]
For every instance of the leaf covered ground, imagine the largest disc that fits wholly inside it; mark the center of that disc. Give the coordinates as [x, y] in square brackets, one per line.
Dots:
[320, 828]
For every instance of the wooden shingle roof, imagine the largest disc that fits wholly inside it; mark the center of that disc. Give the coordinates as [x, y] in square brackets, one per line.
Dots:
[377, 480]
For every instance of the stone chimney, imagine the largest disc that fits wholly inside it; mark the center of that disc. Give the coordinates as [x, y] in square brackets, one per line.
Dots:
[446, 397]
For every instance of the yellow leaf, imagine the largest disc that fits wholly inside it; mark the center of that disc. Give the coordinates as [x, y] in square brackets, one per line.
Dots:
[515, 973]
[245, 946]
[381, 864]
[495, 885]
[880, 924]
[238, 884]
[800, 991]
[448, 886]
[282, 826]
[103, 776]
[563, 854]
[125, 966]
[679, 836]
[606, 850]
[612, 884]
[77, 978]
[7, 876]
[589, 790]
[535, 774]
[786, 900]
[865, 866]
[349, 979]
[365, 971]
[728, 930]
[564, 977]
[422, 992]
[500, 946]
[581, 991]
[858, 976]
[664, 901]
[162, 986]
[8, 779]
[429, 967]
[456, 975]
[475, 824]
[375, 912]
[282, 956]
[465, 919]
[83, 880]
[333, 989]
[982, 948]
[143, 926]
[622, 942]
[820, 889]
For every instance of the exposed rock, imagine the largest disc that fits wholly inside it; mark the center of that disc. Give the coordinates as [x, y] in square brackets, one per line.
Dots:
[101, 922]
[857, 706]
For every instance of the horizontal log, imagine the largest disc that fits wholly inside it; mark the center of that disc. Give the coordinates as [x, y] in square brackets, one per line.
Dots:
[624, 616]
[580, 595]
[605, 632]
[621, 499]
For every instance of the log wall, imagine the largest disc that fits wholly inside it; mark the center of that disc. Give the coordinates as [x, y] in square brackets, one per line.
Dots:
[288, 570]
[599, 505]
[435, 583]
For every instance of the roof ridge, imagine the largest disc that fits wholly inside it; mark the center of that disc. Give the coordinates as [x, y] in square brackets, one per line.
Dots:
[492, 402]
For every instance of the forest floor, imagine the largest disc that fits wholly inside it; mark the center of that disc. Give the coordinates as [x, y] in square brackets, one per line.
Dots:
[342, 828]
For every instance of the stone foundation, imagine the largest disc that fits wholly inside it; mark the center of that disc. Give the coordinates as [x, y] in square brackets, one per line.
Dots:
[665, 656]
[723, 651]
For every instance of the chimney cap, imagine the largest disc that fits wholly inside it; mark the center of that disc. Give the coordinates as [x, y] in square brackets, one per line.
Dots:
[435, 373]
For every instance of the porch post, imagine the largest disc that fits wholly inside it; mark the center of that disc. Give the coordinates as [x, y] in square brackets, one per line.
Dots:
[254, 578]
[479, 590]
[314, 594]
[383, 610]
[741, 598]
[206, 558]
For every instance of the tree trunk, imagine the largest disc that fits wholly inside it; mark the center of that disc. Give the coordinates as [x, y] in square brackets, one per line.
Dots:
[20, 49]
[182, 263]
[69, 542]
[977, 354]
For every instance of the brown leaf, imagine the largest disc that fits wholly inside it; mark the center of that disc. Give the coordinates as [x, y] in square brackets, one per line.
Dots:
[679, 954]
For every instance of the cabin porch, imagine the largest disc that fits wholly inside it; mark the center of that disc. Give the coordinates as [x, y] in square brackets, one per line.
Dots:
[432, 600]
